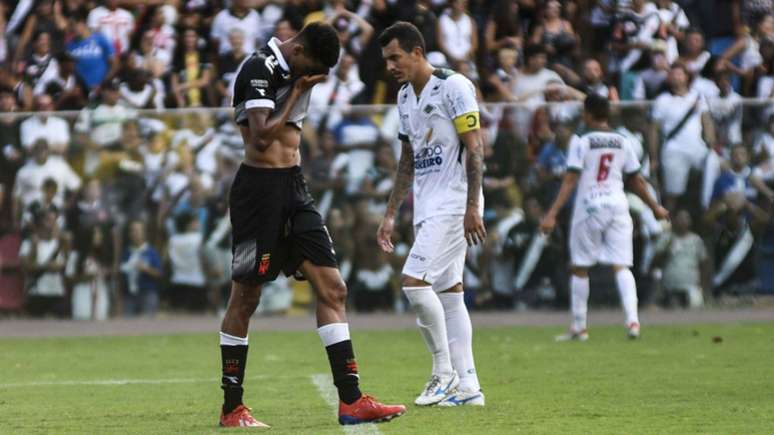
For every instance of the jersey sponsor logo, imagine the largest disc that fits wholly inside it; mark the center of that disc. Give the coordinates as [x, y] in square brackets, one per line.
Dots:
[263, 266]
[259, 83]
[428, 156]
[418, 257]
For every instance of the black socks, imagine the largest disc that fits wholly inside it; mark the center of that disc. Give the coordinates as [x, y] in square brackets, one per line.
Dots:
[344, 369]
[234, 360]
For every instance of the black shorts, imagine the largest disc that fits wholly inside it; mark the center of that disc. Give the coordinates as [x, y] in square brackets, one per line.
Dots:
[275, 226]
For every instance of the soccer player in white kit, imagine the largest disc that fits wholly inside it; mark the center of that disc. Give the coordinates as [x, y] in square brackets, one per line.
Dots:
[442, 158]
[600, 162]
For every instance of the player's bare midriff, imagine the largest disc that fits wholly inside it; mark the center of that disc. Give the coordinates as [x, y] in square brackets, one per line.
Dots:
[282, 153]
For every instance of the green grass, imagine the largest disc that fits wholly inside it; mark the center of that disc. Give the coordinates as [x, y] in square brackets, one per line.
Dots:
[675, 380]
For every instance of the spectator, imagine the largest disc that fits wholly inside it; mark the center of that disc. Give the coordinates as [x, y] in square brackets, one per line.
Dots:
[88, 271]
[674, 22]
[726, 110]
[162, 34]
[747, 48]
[41, 65]
[95, 59]
[502, 80]
[101, 126]
[187, 282]
[457, 34]
[334, 96]
[43, 255]
[11, 154]
[47, 201]
[634, 32]
[149, 57]
[354, 32]
[238, 16]
[556, 35]
[503, 29]
[30, 178]
[115, 23]
[552, 163]
[695, 56]
[739, 177]
[652, 81]
[685, 262]
[141, 270]
[191, 73]
[593, 81]
[47, 18]
[764, 152]
[54, 130]
[228, 64]
[529, 86]
[283, 31]
[141, 91]
[67, 89]
[682, 117]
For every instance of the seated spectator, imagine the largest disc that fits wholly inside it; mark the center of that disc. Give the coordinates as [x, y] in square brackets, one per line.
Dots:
[162, 33]
[88, 271]
[101, 127]
[150, 58]
[556, 35]
[54, 130]
[685, 262]
[67, 89]
[188, 289]
[191, 73]
[142, 274]
[45, 203]
[30, 178]
[504, 75]
[115, 23]
[739, 177]
[43, 257]
[228, 64]
[695, 56]
[593, 81]
[46, 18]
[141, 91]
[95, 59]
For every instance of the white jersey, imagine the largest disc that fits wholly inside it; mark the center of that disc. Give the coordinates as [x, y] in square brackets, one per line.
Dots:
[603, 159]
[432, 123]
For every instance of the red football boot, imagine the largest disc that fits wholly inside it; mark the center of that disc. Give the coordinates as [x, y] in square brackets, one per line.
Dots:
[367, 410]
[240, 417]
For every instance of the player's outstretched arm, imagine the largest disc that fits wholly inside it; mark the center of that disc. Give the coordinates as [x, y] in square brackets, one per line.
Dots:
[403, 180]
[568, 185]
[475, 232]
[639, 187]
[264, 125]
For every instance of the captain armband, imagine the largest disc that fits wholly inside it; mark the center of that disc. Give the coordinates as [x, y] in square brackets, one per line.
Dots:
[467, 122]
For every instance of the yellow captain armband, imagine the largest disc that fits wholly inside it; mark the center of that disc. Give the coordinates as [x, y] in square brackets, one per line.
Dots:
[467, 122]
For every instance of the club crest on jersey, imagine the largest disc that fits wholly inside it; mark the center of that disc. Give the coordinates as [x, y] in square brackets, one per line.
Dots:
[436, 90]
[429, 108]
[263, 266]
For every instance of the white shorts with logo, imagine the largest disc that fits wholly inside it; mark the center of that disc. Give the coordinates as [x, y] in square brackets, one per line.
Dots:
[602, 238]
[438, 254]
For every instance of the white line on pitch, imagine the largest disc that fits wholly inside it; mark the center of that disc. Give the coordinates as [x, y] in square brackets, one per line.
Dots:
[116, 382]
[328, 392]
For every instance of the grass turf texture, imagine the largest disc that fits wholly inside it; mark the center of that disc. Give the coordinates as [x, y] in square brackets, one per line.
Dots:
[677, 379]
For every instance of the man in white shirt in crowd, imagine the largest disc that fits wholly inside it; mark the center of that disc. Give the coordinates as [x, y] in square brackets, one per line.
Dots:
[115, 23]
[43, 125]
[529, 86]
[43, 255]
[682, 118]
[239, 16]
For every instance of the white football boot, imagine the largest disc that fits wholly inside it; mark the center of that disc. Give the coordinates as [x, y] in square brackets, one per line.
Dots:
[461, 398]
[437, 388]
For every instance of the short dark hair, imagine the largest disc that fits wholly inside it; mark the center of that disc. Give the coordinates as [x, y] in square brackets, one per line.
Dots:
[597, 106]
[321, 42]
[532, 50]
[408, 36]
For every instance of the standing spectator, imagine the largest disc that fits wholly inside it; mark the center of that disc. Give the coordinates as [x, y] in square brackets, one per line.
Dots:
[739, 177]
[685, 261]
[529, 87]
[354, 32]
[683, 119]
[191, 75]
[40, 65]
[141, 270]
[47, 18]
[67, 89]
[634, 31]
[93, 53]
[87, 270]
[674, 22]
[30, 178]
[43, 255]
[556, 35]
[228, 64]
[764, 152]
[149, 57]
[504, 77]
[115, 23]
[102, 126]
[163, 34]
[54, 130]
[748, 49]
[457, 34]
[238, 16]
[503, 29]
[188, 289]
[141, 90]
[594, 81]
[695, 56]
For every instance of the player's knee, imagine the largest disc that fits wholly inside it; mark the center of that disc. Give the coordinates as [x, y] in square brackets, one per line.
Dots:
[335, 294]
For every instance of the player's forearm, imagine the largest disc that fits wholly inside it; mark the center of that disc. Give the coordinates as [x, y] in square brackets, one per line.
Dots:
[709, 129]
[640, 188]
[263, 137]
[474, 166]
[403, 181]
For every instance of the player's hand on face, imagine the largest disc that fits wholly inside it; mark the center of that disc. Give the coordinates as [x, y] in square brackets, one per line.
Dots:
[475, 232]
[384, 234]
[304, 83]
[548, 224]
[661, 213]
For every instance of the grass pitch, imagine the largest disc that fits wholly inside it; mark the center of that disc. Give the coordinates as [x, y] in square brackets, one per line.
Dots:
[677, 379]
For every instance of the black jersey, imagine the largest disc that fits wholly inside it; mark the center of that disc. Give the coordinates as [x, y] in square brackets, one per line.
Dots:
[263, 80]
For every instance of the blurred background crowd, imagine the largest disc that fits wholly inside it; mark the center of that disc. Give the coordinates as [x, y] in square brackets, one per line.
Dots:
[116, 204]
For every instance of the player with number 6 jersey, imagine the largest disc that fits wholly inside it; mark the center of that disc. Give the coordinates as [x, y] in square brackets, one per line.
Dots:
[601, 163]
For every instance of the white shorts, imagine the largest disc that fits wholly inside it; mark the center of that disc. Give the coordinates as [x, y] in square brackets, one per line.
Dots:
[677, 163]
[438, 254]
[604, 238]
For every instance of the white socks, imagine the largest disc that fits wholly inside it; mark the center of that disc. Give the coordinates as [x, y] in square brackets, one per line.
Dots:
[432, 325]
[231, 340]
[627, 288]
[333, 333]
[460, 334]
[579, 289]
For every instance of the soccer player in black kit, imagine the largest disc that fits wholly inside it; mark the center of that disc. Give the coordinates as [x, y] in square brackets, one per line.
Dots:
[276, 227]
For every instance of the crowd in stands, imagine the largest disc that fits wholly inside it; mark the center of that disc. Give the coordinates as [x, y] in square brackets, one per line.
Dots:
[119, 202]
